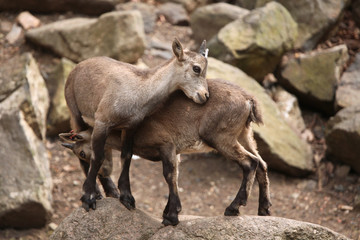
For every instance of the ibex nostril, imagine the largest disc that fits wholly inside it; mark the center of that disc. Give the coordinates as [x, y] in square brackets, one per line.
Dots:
[207, 96]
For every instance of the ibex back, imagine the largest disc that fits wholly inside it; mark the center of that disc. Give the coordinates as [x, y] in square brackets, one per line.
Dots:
[107, 94]
[180, 126]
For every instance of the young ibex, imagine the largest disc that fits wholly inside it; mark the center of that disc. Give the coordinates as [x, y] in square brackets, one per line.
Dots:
[181, 126]
[106, 94]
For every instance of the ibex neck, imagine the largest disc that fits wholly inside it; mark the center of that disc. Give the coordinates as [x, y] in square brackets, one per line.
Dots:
[162, 83]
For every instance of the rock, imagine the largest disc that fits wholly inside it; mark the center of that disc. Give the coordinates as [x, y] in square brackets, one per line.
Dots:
[342, 137]
[342, 171]
[90, 7]
[23, 72]
[189, 5]
[289, 107]
[256, 41]
[14, 35]
[119, 35]
[58, 120]
[27, 20]
[174, 13]
[25, 178]
[148, 13]
[355, 7]
[278, 144]
[314, 18]
[113, 221]
[348, 91]
[215, 15]
[314, 76]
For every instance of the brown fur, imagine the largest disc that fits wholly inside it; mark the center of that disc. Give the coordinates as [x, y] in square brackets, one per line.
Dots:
[222, 124]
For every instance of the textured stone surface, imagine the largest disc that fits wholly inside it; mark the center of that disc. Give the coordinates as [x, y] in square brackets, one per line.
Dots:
[313, 76]
[216, 15]
[58, 119]
[343, 137]
[148, 13]
[25, 179]
[348, 91]
[113, 221]
[174, 13]
[256, 41]
[314, 18]
[119, 35]
[278, 144]
[91, 7]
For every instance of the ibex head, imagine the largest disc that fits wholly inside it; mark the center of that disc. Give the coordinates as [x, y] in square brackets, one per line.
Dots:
[79, 143]
[192, 72]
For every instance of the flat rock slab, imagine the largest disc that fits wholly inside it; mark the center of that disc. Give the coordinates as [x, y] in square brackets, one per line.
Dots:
[111, 220]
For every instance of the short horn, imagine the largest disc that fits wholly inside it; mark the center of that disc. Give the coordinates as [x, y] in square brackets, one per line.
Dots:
[68, 145]
[202, 49]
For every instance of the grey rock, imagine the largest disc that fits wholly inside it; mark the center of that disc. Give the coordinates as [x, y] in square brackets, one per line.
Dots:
[113, 221]
[278, 143]
[174, 13]
[314, 18]
[148, 13]
[14, 35]
[189, 5]
[348, 91]
[342, 137]
[119, 35]
[216, 15]
[25, 178]
[58, 119]
[256, 41]
[313, 76]
[91, 7]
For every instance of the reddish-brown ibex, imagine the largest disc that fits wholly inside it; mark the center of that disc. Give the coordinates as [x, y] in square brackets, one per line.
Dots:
[108, 95]
[181, 126]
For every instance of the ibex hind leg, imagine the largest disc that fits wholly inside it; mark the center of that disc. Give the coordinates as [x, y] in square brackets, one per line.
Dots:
[247, 140]
[249, 163]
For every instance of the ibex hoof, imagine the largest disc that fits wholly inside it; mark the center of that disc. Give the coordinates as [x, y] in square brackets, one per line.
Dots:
[88, 201]
[170, 221]
[231, 212]
[128, 201]
[264, 212]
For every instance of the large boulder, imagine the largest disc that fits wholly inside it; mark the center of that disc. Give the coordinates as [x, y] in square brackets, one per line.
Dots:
[314, 18]
[112, 220]
[25, 178]
[148, 13]
[278, 144]
[342, 137]
[58, 119]
[118, 34]
[91, 7]
[189, 5]
[256, 42]
[216, 15]
[348, 91]
[313, 76]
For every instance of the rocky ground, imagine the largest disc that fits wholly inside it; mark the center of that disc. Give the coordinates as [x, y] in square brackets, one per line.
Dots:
[207, 183]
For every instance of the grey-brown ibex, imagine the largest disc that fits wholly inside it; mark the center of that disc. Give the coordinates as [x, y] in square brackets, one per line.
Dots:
[181, 126]
[106, 94]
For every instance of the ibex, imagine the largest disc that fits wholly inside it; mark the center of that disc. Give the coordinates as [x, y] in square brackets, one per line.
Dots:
[181, 126]
[106, 94]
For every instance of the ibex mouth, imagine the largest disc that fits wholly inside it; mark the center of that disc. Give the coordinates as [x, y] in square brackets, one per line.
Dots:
[202, 98]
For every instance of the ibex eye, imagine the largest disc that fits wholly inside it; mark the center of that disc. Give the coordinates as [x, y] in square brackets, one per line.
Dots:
[196, 69]
[82, 154]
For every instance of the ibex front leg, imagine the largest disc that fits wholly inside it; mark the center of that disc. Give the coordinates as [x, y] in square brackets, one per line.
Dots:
[98, 140]
[170, 170]
[126, 198]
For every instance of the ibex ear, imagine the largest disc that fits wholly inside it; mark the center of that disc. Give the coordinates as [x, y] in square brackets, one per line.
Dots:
[178, 49]
[71, 137]
[202, 49]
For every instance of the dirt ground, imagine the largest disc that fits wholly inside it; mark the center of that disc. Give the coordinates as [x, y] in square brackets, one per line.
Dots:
[208, 183]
